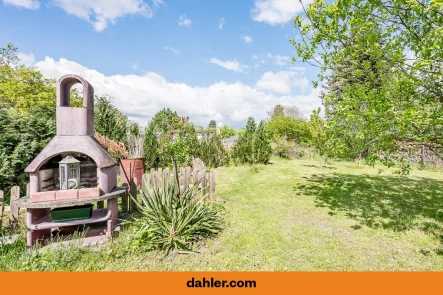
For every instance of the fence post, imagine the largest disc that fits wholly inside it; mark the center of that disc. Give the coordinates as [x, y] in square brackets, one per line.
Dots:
[145, 178]
[203, 184]
[182, 178]
[125, 199]
[174, 177]
[195, 174]
[13, 213]
[133, 192]
[212, 186]
[160, 177]
[1, 207]
[167, 176]
[186, 173]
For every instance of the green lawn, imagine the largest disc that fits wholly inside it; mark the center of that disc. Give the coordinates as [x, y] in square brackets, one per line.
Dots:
[291, 215]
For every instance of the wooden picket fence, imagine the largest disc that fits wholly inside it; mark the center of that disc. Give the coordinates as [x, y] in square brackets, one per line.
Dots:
[13, 210]
[187, 177]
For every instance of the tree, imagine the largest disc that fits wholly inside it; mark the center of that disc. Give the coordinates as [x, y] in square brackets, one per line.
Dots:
[163, 119]
[319, 138]
[150, 146]
[108, 120]
[252, 146]
[261, 145]
[294, 130]
[227, 132]
[23, 87]
[212, 124]
[22, 137]
[387, 52]
[278, 111]
[8, 56]
[293, 112]
[211, 150]
[176, 138]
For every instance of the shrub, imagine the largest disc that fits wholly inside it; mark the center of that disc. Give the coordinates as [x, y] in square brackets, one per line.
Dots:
[171, 221]
[108, 120]
[252, 146]
[212, 152]
[227, 132]
[283, 147]
[295, 130]
[261, 145]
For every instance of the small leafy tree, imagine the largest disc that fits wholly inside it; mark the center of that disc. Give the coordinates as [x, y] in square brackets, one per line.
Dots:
[212, 124]
[108, 120]
[227, 132]
[319, 138]
[211, 151]
[278, 111]
[283, 147]
[252, 146]
[150, 147]
[22, 137]
[261, 146]
[295, 130]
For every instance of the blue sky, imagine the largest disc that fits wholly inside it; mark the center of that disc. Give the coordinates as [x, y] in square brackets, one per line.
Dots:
[222, 60]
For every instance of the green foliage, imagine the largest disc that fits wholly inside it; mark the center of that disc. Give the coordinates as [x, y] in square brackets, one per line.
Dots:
[163, 119]
[283, 147]
[319, 134]
[227, 132]
[295, 130]
[252, 146]
[211, 151]
[150, 147]
[108, 120]
[277, 112]
[261, 145]
[23, 87]
[383, 64]
[170, 221]
[22, 137]
[8, 55]
[177, 139]
[212, 124]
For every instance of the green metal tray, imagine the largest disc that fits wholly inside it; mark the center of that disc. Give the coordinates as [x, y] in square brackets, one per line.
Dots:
[72, 213]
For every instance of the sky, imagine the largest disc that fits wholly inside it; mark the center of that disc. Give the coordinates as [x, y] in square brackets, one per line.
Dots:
[221, 60]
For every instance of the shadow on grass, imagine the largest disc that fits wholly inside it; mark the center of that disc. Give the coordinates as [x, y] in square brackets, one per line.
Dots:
[388, 202]
[323, 167]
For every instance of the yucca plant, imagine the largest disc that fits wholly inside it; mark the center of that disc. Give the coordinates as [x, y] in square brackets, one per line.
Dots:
[170, 220]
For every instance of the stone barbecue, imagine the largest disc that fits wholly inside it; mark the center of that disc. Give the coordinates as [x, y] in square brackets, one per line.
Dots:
[73, 169]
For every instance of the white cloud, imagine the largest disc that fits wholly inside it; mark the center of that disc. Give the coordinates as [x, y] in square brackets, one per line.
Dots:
[232, 65]
[171, 49]
[280, 60]
[275, 12]
[247, 39]
[102, 12]
[254, 57]
[221, 23]
[184, 21]
[135, 66]
[141, 96]
[26, 59]
[256, 66]
[29, 4]
[158, 3]
[282, 82]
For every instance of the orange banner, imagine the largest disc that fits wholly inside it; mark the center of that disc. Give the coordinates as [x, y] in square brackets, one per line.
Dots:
[219, 283]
